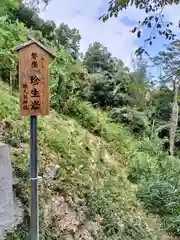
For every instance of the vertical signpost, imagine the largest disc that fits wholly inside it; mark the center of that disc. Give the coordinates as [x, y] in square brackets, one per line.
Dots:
[34, 59]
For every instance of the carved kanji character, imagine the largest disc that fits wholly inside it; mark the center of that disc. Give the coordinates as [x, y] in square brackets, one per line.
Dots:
[35, 93]
[34, 55]
[25, 85]
[34, 64]
[35, 105]
[25, 102]
[34, 80]
[25, 91]
[25, 107]
[42, 59]
[25, 97]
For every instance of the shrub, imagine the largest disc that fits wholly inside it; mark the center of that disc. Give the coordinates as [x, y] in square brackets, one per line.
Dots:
[157, 175]
[138, 121]
[69, 79]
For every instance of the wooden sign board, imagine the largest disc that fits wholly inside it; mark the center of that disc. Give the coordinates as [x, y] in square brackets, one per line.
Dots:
[34, 59]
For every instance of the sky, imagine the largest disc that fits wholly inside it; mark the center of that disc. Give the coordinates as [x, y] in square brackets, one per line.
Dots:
[115, 34]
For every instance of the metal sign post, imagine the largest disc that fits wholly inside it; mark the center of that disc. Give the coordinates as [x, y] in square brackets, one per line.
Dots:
[34, 59]
[34, 221]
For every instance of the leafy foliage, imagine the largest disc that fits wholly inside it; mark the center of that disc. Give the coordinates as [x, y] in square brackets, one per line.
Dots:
[98, 59]
[154, 18]
[169, 63]
[69, 38]
[12, 34]
[61, 36]
[7, 5]
[138, 121]
[69, 79]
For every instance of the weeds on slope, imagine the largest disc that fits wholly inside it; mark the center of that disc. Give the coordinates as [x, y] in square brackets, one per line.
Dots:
[155, 172]
[90, 168]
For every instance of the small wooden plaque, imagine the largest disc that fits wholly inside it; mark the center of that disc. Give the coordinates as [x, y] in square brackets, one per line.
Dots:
[33, 79]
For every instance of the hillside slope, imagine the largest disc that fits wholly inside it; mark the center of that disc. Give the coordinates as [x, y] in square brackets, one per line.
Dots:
[91, 197]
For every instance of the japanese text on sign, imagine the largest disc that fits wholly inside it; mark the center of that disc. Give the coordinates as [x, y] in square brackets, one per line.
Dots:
[34, 81]
[33, 70]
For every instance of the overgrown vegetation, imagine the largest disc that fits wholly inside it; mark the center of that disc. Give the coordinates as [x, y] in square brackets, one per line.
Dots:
[91, 167]
[108, 129]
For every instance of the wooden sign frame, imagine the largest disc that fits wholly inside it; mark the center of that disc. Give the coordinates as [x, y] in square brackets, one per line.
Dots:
[34, 59]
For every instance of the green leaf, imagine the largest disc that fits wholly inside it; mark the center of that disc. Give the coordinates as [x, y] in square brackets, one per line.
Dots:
[178, 72]
[134, 30]
[139, 34]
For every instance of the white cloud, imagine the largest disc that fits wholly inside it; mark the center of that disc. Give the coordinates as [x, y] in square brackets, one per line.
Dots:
[83, 15]
[114, 33]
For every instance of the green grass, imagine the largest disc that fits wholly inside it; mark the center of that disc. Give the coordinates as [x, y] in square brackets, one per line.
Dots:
[93, 154]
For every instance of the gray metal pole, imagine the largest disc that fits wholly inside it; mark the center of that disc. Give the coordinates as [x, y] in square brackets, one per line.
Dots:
[34, 218]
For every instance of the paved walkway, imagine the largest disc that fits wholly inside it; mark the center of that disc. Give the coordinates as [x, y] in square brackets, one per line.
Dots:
[10, 213]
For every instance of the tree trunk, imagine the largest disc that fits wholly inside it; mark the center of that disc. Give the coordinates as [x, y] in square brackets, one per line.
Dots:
[174, 120]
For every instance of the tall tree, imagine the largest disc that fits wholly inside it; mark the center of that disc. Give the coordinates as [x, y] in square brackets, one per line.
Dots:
[98, 58]
[169, 61]
[48, 30]
[111, 83]
[69, 38]
[61, 36]
[29, 16]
